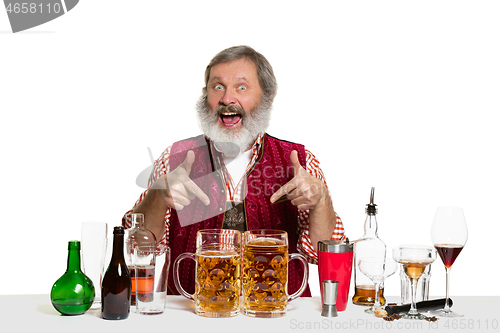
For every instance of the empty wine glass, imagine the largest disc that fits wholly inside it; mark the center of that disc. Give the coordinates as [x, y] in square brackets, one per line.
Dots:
[449, 235]
[377, 269]
[415, 259]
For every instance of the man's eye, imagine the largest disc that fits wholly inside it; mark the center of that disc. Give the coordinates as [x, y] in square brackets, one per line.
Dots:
[218, 87]
[242, 88]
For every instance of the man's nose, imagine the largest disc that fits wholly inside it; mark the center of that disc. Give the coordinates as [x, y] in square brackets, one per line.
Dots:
[229, 98]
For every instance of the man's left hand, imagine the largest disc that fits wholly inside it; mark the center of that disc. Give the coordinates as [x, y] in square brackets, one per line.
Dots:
[304, 190]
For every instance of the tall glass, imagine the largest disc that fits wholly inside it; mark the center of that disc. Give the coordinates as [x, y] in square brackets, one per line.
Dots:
[422, 287]
[265, 273]
[415, 259]
[94, 243]
[449, 235]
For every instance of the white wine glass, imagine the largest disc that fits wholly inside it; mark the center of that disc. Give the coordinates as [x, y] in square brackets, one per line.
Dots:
[449, 235]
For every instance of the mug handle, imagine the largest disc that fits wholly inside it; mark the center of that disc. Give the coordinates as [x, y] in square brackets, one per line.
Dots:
[305, 278]
[177, 282]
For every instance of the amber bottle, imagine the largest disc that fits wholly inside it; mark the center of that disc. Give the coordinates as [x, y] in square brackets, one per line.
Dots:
[116, 285]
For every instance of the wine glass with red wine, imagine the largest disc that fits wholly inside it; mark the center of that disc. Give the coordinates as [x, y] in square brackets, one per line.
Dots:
[449, 235]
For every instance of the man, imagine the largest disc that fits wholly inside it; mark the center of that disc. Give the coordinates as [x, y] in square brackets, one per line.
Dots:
[235, 175]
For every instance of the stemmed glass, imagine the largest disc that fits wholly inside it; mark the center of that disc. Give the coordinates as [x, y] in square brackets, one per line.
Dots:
[449, 235]
[377, 269]
[415, 259]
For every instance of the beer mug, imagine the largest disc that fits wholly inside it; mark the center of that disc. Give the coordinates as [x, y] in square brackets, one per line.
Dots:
[265, 273]
[218, 273]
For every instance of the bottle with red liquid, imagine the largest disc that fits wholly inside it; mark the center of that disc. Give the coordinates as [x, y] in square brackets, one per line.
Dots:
[116, 287]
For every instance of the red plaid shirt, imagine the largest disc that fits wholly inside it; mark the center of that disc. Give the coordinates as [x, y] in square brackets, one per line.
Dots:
[162, 166]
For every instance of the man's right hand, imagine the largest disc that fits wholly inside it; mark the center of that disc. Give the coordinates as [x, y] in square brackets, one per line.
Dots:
[179, 190]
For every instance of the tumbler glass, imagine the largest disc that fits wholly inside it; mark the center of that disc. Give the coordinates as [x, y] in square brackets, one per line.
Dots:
[422, 285]
[151, 276]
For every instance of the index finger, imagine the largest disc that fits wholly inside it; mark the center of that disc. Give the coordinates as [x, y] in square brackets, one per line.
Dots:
[194, 189]
[282, 192]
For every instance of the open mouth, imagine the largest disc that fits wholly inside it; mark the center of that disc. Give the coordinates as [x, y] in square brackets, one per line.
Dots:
[230, 119]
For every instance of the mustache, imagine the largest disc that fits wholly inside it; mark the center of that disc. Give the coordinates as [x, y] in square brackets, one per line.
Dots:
[230, 108]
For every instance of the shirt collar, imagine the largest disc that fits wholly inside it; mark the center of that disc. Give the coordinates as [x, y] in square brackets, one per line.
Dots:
[255, 146]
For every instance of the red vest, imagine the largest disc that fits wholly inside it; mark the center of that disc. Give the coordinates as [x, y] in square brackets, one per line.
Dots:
[272, 169]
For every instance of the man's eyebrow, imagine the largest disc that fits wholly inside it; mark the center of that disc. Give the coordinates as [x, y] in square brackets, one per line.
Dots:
[218, 78]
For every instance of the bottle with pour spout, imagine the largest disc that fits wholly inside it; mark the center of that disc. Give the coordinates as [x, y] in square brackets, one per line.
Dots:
[370, 245]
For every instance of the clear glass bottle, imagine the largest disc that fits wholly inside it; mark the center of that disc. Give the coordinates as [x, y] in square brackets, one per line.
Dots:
[73, 293]
[370, 245]
[116, 287]
[137, 235]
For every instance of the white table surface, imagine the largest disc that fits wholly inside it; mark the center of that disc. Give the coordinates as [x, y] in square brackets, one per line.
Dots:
[27, 313]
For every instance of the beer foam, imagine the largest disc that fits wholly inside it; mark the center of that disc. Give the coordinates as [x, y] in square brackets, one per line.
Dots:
[217, 254]
[266, 242]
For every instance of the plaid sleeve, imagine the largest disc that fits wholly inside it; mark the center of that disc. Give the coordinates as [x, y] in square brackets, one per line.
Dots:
[160, 167]
[304, 245]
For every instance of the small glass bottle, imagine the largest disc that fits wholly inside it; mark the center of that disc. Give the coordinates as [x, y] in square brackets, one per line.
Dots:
[116, 285]
[370, 245]
[138, 235]
[73, 293]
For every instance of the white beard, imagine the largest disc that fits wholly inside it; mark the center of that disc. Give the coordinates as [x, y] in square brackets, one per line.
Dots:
[253, 124]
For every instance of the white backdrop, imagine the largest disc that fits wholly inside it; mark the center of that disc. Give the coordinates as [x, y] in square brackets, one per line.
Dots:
[399, 95]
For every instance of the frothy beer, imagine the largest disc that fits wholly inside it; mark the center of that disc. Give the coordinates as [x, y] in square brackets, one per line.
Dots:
[218, 282]
[265, 276]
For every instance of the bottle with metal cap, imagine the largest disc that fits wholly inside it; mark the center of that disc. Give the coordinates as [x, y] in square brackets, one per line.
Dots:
[370, 245]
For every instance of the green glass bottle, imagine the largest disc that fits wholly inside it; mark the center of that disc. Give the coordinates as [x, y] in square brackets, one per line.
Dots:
[73, 293]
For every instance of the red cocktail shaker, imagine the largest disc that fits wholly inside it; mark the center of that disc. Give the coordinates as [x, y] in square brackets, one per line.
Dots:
[335, 263]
